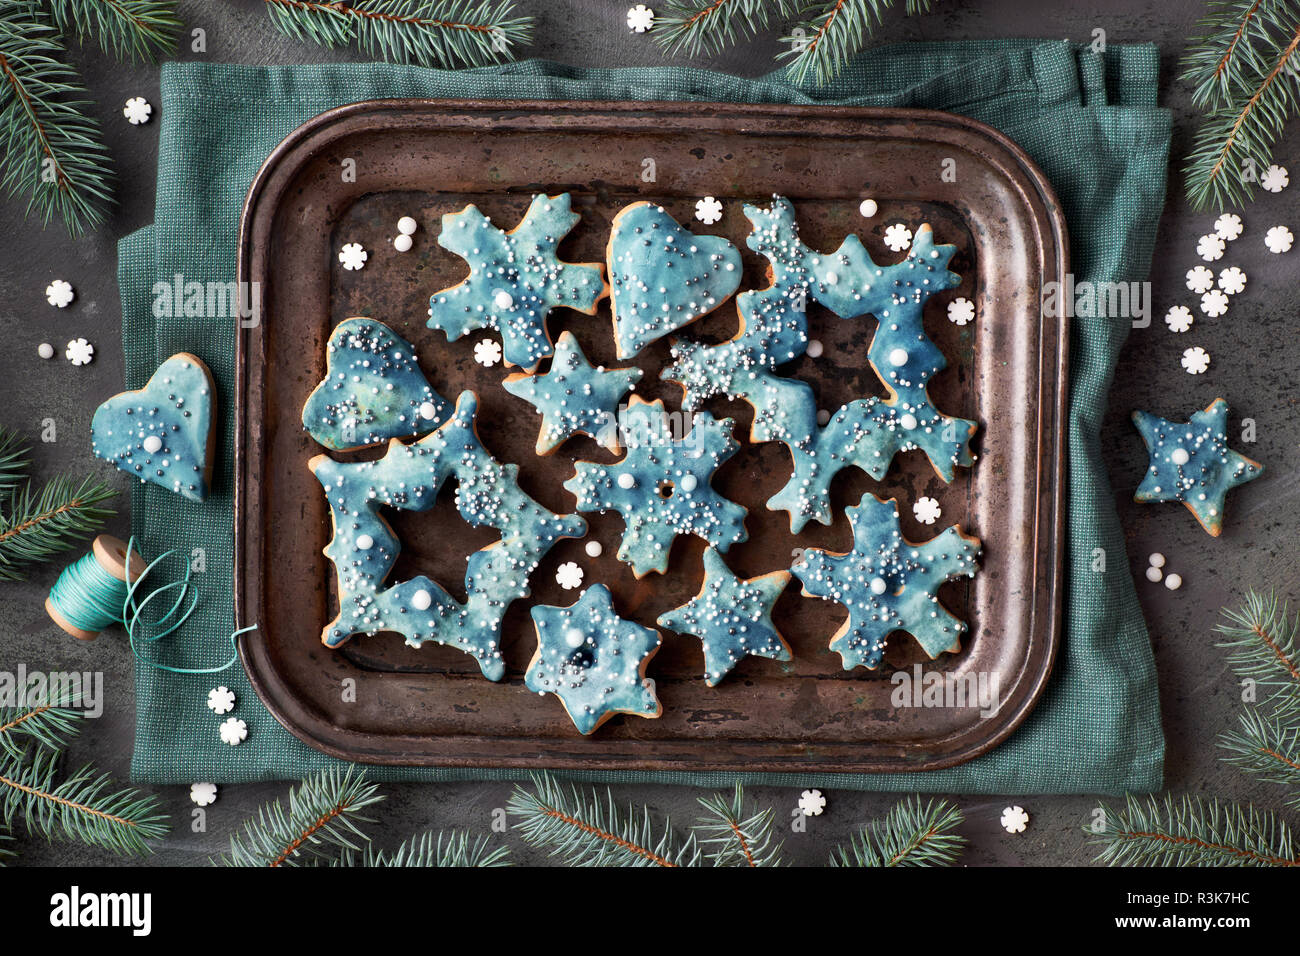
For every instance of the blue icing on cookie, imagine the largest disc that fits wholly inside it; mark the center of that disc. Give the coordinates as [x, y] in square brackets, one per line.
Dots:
[1192, 463]
[574, 397]
[662, 277]
[593, 660]
[889, 584]
[515, 278]
[662, 487]
[364, 547]
[162, 433]
[732, 617]
[373, 389]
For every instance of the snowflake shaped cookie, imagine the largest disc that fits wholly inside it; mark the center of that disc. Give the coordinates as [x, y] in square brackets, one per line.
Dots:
[1278, 239]
[897, 237]
[1179, 318]
[163, 433]
[234, 731]
[79, 352]
[1192, 463]
[593, 660]
[221, 700]
[1214, 303]
[574, 397]
[1014, 819]
[926, 510]
[640, 18]
[961, 311]
[364, 548]
[353, 256]
[487, 353]
[1210, 247]
[812, 803]
[732, 617]
[60, 294]
[662, 277]
[373, 390]
[889, 584]
[708, 210]
[137, 110]
[203, 794]
[1232, 281]
[1275, 178]
[515, 278]
[1196, 361]
[569, 576]
[662, 487]
[1200, 279]
[1228, 226]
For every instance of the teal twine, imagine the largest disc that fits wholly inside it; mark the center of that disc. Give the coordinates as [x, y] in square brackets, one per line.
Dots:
[90, 598]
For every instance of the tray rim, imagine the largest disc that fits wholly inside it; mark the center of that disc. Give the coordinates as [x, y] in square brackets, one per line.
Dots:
[1051, 226]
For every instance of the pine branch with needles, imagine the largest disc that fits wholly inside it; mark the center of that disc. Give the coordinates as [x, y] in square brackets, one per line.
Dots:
[731, 835]
[1263, 644]
[1192, 832]
[134, 31]
[35, 526]
[13, 461]
[430, 850]
[1267, 748]
[910, 834]
[442, 33]
[696, 27]
[49, 724]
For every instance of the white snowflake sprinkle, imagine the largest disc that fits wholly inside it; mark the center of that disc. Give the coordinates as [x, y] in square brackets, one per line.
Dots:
[1196, 360]
[569, 575]
[221, 700]
[1015, 819]
[79, 352]
[1279, 239]
[234, 731]
[1179, 318]
[1232, 281]
[1214, 303]
[1210, 247]
[640, 18]
[1200, 279]
[353, 256]
[204, 794]
[926, 510]
[137, 110]
[487, 352]
[1275, 179]
[898, 237]
[59, 294]
[1228, 226]
[812, 803]
[961, 311]
[708, 210]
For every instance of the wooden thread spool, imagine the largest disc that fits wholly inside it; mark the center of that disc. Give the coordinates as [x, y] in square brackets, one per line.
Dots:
[109, 554]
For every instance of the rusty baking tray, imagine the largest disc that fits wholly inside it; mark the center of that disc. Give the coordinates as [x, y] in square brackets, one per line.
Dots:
[349, 174]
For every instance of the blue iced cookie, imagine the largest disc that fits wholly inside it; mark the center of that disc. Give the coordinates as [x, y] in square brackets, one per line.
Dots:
[165, 432]
[373, 389]
[573, 397]
[364, 548]
[515, 278]
[662, 487]
[662, 277]
[593, 660]
[889, 584]
[1192, 463]
[732, 617]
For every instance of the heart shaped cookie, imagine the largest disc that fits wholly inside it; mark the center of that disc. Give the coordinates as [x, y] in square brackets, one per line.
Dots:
[164, 432]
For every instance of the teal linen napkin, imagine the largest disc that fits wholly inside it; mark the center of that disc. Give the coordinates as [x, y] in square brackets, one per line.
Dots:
[1089, 120]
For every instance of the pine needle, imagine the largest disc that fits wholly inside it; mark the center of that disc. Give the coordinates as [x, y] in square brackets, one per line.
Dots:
[38, 526]
[6, 851]
[1263, 642]
[51, 146]
[1192, 832]
[910, 834]
[1267, 748]
[731, 837]
[130, 30]
[708, 27]
[51, 725]
[584, 830]
[82, 807]
[431, 850]
[445, 33]
[319, 823]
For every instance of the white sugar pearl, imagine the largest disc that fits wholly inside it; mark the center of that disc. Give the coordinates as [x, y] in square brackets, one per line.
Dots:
[421, 600]
[402, 243]
[878, 586]
[1157, 560]
[1179, 456]
[574, 637]
[45, 350]
[689, 483]
[626, 481]
[1154, 574]
[428, 410]
[153, 444]
[594, 549]
[365, 542]
[832, 278]
[898, 357]
[814, 348]
[406, 225]
[503, 300]
[908, 421]
[868, 208]
[1174, 582]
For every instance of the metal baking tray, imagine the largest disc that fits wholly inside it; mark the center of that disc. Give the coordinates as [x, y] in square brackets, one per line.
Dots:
[349, 174]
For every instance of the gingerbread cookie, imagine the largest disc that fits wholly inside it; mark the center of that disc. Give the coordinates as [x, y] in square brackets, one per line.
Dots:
[593, 660]
[574, 398]
[732, 617]
[165, 432]
[889, 584]
[364, 548]
[662, 276]
[662, 487]
[516, 278]
[373, 389]
[1192, 463]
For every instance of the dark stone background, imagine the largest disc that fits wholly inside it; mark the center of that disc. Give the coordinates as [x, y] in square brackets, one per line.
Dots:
[1254, 368]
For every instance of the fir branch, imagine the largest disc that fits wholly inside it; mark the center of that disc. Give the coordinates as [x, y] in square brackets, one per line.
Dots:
[1192, 832]
[695, 27]
[584, 831]
[832, 33]
[80, 808]
[443, 33]
[1263, 642]
[1267, 748]
[910, 834]
[39, 526]
[729, 837]
[130, 30]
[51, 146]
[431, 850]
[13, 461]
[50, 724]
[322, 815]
